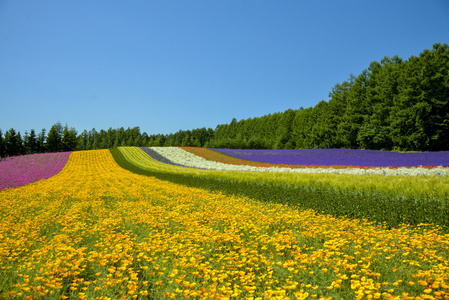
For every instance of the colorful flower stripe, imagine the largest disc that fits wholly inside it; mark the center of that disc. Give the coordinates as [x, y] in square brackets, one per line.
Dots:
[342, 157]
[96, 231]
[215, 155]
[21, 170]
[186, 157]
[219, 155]
[156, 156]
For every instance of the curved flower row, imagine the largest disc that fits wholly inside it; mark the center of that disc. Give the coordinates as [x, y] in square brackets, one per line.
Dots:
[181, 156]
[21, 170]
[156, 156]
[218, 156]
[342, 157]
[222, 155]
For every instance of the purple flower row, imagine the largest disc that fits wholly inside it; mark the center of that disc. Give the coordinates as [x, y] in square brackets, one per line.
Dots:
[342, 157]
[21, 170]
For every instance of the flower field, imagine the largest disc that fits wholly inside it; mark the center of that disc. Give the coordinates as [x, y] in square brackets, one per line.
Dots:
[98, 231]
[21, 170]
[216, 160]
[390, 199]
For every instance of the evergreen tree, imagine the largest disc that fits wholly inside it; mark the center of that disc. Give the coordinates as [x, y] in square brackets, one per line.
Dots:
[116, 143]
[82, 140]
[321, 134]
[93, 140]
[32, 142]
[102, 142]
[54, 138]
[89, 145]
[121, 137]
[186, 141]
[26, 147]
[284, 139]
[304, 123]
[160, 140]
[421, 113]
[136, 136]
[69, 139]
[130, 141]
[353, 117]
[109, 140]
[269, 130]
[13, 143]
[2, 145]
[41, 139]
[144, 139]
[380, 91]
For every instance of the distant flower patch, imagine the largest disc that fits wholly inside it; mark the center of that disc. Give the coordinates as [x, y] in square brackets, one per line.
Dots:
[184, 157]
[342, 157]
[156, 156]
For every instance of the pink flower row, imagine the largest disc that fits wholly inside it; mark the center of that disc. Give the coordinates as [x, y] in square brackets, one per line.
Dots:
[21, 170]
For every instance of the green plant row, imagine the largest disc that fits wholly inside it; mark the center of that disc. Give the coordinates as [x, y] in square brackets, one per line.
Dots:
[390, 200]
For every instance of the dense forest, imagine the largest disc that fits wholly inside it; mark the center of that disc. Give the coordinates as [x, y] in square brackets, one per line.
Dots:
[394, 104]
[64, 138]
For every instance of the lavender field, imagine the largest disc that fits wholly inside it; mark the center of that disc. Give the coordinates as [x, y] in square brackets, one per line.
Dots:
[342, 157]
[21, 170]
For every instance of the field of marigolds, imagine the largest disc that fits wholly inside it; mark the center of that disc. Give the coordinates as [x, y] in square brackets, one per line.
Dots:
[135, 223]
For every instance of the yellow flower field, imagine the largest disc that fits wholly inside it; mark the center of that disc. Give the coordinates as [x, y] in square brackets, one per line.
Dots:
[97, 231]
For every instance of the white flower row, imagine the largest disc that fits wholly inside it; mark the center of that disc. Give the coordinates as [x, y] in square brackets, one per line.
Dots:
[183, 157]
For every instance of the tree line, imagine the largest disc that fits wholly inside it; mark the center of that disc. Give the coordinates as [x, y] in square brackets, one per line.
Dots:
[64, 138]
[394, 104]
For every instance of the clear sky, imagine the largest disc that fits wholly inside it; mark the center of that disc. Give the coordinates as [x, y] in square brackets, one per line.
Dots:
[178, 64]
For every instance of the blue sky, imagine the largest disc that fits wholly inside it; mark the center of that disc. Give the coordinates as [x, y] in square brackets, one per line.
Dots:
[171, 65]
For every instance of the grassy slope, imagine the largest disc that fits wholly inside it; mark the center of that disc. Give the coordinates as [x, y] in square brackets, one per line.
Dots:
[393, 200]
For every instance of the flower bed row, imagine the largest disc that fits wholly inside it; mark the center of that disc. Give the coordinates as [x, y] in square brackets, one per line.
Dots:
[209, 159]
[342, 157]
[21, 170]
